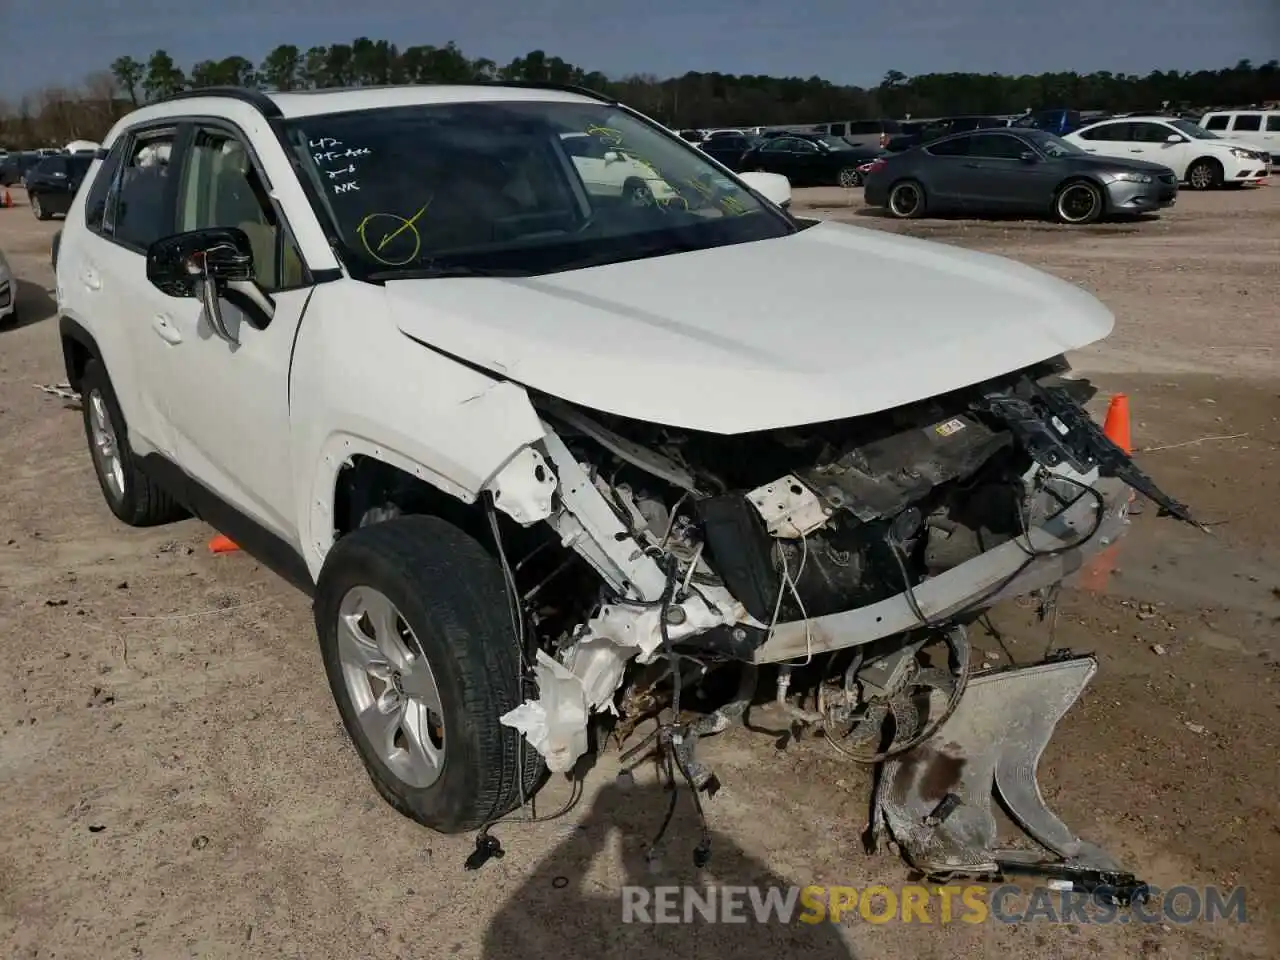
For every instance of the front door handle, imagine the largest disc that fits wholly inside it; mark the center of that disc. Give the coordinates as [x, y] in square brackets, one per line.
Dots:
[1135, 151]
[163, 326]
[89, 277]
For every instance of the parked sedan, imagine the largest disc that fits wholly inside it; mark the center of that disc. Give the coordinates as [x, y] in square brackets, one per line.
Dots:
[52, 183]
[810, 160]
[1016, 171]
[15, 167]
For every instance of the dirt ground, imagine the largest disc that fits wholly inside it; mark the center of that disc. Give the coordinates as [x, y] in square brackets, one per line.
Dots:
[174, 781]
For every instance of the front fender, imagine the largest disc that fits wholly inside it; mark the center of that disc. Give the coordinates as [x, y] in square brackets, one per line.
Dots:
[361, 387]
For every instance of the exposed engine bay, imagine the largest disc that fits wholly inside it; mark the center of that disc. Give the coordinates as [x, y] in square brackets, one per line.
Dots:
[850, 554]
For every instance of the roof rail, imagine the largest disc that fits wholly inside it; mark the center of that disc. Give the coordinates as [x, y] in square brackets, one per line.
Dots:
[547, 85]
[255, 98]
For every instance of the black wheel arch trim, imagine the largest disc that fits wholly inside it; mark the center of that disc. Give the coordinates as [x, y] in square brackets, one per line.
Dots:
[73, 334]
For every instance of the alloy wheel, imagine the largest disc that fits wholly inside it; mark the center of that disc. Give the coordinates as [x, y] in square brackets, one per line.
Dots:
[391, 686]
[106, 448]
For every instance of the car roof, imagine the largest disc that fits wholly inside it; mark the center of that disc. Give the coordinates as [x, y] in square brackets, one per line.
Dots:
[306, 103]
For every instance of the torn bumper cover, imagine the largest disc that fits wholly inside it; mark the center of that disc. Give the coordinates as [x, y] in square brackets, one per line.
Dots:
[935, 800]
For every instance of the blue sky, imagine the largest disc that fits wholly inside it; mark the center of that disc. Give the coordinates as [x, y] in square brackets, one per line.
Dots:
[59, 41]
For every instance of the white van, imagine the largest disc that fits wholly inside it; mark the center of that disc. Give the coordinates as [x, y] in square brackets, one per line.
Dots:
[1260, 128]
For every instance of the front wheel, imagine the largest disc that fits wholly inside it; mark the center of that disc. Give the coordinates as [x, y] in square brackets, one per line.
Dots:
[422, 659]
[849, 177]
[907, 200]
[1205, 175]
[637, 193]
[1078, 203]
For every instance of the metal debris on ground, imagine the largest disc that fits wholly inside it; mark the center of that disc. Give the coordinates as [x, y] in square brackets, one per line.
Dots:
[58, 390]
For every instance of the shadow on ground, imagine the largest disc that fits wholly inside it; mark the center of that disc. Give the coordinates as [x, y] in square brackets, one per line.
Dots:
[34, 304]
[572, 906]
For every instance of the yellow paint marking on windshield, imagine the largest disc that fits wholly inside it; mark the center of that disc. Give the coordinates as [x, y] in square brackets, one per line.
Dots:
[408, 225]
[608, 134]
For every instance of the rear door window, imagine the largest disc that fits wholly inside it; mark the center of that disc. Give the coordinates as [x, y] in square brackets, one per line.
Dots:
[1273, 123]
[996, 145]
[1109, 132]
[956, 147]
[145, 209]
[1248, 122]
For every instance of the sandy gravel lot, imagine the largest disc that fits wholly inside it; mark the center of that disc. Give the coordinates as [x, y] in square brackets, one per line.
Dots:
[174, 781]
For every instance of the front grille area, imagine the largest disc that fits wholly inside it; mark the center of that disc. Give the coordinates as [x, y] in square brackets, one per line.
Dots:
[5, 294]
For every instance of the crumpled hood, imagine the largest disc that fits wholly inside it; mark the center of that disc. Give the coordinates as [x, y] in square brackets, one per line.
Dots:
[831, 322]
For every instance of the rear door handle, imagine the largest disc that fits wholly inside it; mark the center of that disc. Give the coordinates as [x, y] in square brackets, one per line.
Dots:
[165, 329]
[89, 277]
[1135, 151]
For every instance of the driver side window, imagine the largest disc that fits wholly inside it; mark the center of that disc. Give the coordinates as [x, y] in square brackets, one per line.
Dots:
[221, 187]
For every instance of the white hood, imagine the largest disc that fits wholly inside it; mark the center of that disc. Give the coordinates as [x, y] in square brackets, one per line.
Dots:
[832, 322]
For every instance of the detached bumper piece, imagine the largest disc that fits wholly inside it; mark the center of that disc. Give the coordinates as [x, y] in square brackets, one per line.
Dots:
[935, 800]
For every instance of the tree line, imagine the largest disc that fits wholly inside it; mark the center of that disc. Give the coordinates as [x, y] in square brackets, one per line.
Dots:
[58, 114]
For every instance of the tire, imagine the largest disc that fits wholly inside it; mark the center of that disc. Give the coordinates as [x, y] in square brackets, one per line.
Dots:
[1078, 202]
[38, 209]
[849, 177]
[1205, 174]
[637, 193]
[131, 495]
[906, 200]
[450, 594]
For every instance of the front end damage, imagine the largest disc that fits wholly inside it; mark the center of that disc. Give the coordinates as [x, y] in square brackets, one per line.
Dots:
[848, 556]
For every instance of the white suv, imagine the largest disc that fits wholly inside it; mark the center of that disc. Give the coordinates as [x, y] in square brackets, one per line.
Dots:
[518, 438]
[1201, 159]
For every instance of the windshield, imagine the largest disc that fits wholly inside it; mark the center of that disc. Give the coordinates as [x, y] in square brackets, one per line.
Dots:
[1053, 146]
[516, 188]
[1193, 131]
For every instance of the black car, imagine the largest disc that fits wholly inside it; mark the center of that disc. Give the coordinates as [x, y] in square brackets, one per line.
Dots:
[1016, 171]
[52, 183]
[729, 149]
[810, 159]
[16, 165]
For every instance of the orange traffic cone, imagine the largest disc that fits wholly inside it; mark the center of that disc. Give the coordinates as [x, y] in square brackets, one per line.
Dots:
[1116, 426]
[1097, 573]
[222, 544]
[8, 199]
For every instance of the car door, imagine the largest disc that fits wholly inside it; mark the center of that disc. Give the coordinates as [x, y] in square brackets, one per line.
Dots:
[1271, 136]
[229, 401]
[801, 159]
[775, 156]
[944, 172]
[998, 178]
[106, 277]
[1112, 139]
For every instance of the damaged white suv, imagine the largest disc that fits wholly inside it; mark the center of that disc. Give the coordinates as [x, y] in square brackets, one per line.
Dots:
[546, 455]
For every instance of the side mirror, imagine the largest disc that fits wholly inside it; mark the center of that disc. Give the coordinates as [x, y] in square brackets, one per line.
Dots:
[1175, 138]
[772, 186]
[613, 156]
[1028, 156]
[200, 264]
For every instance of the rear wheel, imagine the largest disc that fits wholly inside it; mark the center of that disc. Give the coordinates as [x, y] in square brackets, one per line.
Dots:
[907, 200]
[132, 496]
[1078, 202]
[38, 209]
[849, 177]
[417, 642]
[1205, 174]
